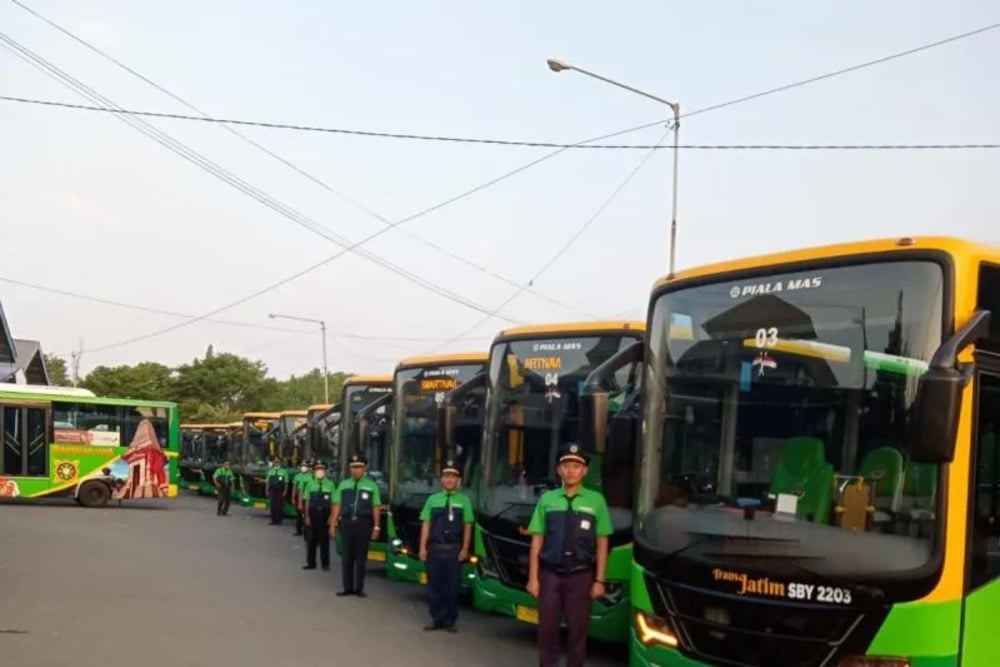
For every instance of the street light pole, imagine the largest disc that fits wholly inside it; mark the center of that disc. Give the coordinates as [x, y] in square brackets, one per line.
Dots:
[557, 65]
[322, 328]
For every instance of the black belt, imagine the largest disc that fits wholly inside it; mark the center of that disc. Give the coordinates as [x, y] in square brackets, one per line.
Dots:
[561, 569]
[445, 545]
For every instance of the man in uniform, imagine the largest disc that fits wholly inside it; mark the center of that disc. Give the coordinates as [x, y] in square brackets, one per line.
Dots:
[569, 551]
[223, 479]
[356, 513]
[445, 537]
[301, 477]
[277, 479]
[316, 505]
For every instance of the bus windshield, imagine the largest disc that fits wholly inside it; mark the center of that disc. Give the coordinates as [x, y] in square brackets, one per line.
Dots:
[259, 442]
[324, 438]
[211, 445]
[533, 402]
[790, 394]
[419, 392]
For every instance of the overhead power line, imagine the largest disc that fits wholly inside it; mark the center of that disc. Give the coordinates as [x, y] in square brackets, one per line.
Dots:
[298, 127]
[233, 323]
[557, 152]
[227, 177]
[536, 144]
[284, 161]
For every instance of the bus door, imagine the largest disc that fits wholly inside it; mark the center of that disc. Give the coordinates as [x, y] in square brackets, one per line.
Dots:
[979, 645]
[25, 429]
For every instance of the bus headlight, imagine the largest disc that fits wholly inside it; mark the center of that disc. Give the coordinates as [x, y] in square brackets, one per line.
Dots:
[652, 630]
[612, 594]
[874, 661]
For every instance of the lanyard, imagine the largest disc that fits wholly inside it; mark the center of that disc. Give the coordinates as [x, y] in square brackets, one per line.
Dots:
[354, 510]
[447, 507]
[569, 530]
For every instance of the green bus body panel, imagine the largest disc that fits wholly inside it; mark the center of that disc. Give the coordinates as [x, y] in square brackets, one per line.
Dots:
[925, 633]
[981, 645]
[610, 624]
[922, 630]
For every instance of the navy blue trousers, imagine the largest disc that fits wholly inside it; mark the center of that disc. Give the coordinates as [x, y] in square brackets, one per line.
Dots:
[444, 574]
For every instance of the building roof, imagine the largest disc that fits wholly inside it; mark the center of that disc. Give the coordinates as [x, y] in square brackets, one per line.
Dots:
[8, 353]
[31, 361]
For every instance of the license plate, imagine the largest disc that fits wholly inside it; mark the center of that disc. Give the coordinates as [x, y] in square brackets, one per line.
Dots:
[376, 556]
[422, 577]
[527, 614]
[259, 506]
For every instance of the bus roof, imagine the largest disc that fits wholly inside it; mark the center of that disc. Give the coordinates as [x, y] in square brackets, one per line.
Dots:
[234, 425]
[368, 379]
[947, 244]
[44, 393]
[294, 413]
[571, 328]
[45, 389]
[320, 407]
[452, 358]
[261, 415]
[205, 426]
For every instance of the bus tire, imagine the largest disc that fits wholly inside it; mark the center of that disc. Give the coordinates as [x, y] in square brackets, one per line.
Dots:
[94, 494]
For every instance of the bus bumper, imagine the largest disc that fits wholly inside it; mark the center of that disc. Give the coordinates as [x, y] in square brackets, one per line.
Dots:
[657, 656]
[608, 623]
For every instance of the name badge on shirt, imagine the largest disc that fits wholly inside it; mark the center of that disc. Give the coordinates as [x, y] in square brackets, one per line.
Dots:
[584, 524]
[451, 515]
[364, 495]
[326, 496]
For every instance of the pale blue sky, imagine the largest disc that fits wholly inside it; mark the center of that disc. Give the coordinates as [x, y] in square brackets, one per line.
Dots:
[89, 204]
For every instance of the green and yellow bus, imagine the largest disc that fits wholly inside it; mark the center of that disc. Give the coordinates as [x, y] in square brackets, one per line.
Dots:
[188, 465]
[536, 377]
[323, 436]
[65, 442]
[364, 400]
[291, 448]
[418, 446]
[818, 476]
[217, 443]
[260, 447]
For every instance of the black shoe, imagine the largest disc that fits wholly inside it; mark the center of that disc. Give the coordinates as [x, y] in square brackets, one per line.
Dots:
[296, 534]
[326, 568]
[361, 594]
[341, 594]
[451, 628]
[308, 567]
[434, 627]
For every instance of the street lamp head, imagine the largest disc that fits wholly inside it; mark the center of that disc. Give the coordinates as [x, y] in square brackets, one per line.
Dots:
[557, 65]
[271, 315]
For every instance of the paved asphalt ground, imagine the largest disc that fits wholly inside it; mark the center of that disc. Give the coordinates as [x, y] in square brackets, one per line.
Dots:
[169, 583]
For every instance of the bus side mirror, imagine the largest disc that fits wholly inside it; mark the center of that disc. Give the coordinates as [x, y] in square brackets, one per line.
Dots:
[938, 404]
[936, 412]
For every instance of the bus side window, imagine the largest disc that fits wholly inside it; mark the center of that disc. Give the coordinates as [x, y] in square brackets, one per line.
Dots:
[986, 474]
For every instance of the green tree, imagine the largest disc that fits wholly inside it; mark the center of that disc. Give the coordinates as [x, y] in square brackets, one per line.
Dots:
[145, 381]
[299, 392]
[224, 384]
[58, 374]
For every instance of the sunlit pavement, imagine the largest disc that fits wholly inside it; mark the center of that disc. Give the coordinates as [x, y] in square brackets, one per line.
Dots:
[170, 583]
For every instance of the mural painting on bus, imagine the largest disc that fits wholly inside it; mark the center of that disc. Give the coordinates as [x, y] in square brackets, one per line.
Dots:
[140, 472]
[9, 488]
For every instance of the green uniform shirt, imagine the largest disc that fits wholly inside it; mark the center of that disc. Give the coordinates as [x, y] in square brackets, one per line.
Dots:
[447, 513]
[321, 489]
[223, 476]
[300, 479]
[570, 527]
[357, 498]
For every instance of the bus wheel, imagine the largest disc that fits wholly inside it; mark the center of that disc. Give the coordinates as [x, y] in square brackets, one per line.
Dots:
[94, 494]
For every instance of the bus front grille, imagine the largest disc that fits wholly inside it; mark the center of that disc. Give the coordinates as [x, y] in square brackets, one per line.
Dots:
[509, 558]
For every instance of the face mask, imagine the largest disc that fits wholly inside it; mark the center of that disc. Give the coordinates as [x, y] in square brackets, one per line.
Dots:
[304, 468]
[320, 474]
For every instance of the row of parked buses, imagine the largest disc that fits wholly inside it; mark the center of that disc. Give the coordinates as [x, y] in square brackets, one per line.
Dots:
[798, 451]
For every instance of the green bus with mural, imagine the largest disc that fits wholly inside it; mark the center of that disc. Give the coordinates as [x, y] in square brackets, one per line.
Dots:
[67, 442]
[426, 388]
[537, 376]
[819, 476]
